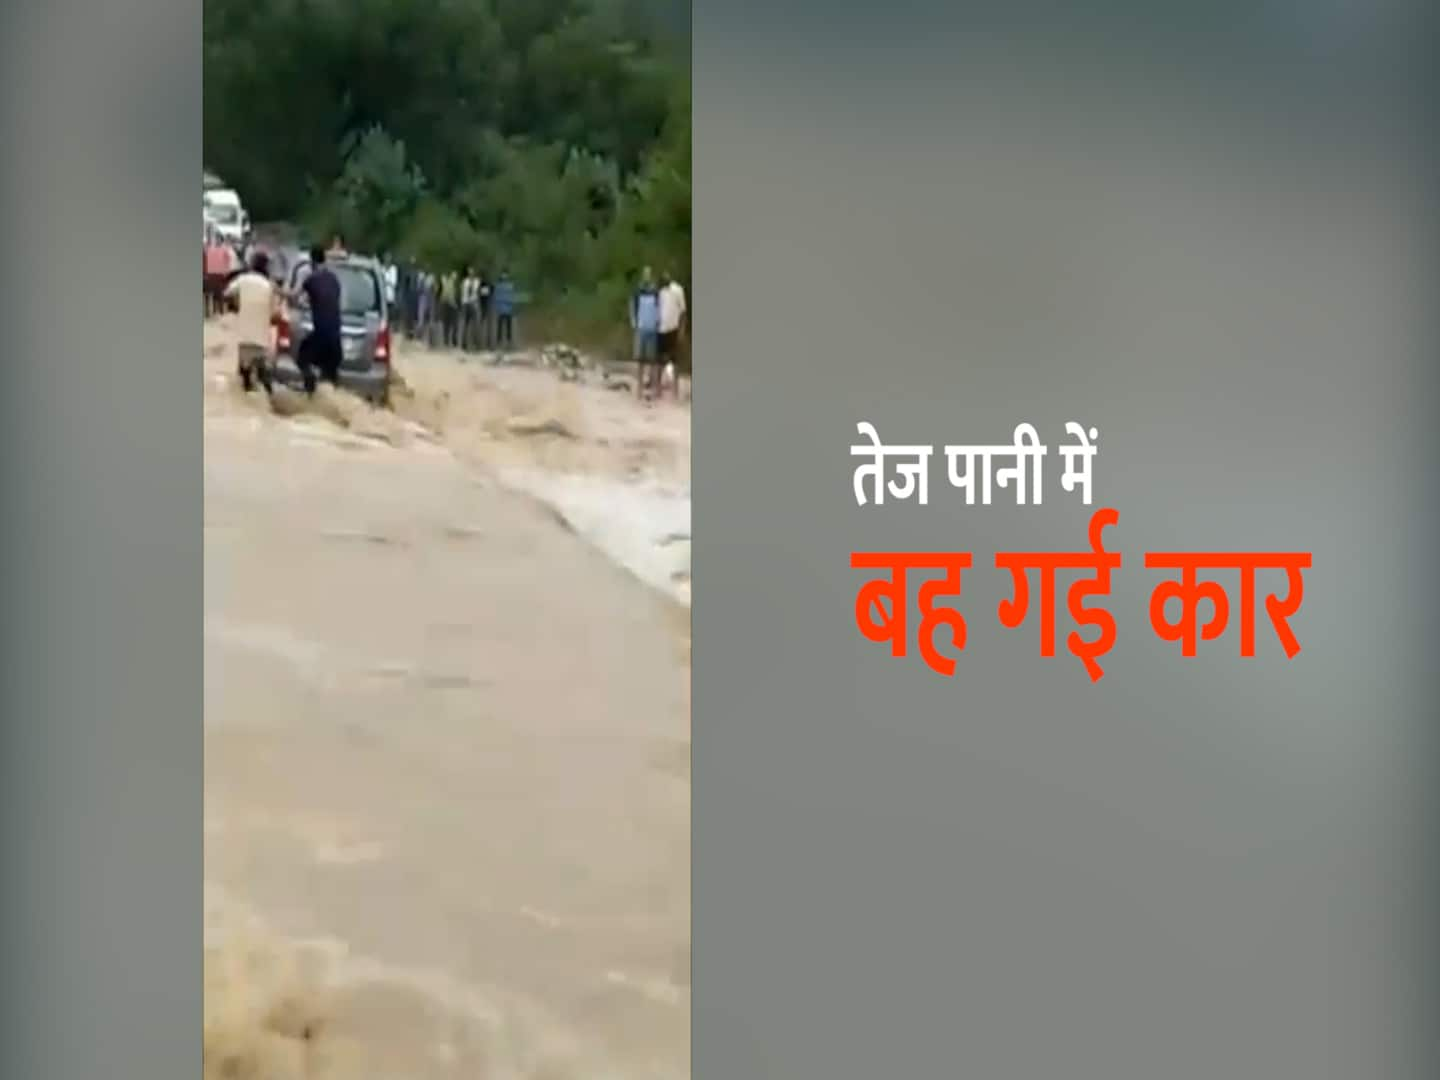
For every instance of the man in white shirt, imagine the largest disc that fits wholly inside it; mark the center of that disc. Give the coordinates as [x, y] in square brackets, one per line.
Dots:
[392, 282]
[672, 325]
[255, 298]
[470, 311]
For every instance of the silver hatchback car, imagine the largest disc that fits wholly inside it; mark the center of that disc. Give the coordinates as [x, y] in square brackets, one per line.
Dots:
[365, 367]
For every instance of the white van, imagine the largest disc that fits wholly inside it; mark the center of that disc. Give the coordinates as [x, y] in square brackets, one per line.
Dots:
[224, 211]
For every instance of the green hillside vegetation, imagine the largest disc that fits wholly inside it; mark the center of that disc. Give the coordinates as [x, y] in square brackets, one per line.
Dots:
[547, 137]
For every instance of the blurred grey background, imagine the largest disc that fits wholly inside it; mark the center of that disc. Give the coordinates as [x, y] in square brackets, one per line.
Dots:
[101, 561]
[1206, 230]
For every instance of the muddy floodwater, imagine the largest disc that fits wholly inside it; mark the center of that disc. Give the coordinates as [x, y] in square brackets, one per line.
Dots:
[447, 753]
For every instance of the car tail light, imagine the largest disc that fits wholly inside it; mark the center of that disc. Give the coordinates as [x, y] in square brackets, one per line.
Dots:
[282, 332]
[382, 344]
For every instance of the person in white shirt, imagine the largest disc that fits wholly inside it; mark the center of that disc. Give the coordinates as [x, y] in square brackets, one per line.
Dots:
[470, 311]
[672, 326]
[392, 282]
[255, 297]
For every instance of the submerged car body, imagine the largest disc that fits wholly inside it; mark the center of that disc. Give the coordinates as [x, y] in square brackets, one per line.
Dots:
[365, 367]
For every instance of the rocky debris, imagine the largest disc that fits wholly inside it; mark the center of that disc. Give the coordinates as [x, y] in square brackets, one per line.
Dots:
[564, 357]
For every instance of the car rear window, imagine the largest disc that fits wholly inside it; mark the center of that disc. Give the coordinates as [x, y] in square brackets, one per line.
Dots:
[359, 287]
[359, 291]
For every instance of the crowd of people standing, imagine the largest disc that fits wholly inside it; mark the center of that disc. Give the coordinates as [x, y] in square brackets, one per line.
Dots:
[453, 309]
[463, 310]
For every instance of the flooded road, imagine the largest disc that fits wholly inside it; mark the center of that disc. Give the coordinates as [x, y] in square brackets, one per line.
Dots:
[447, 735]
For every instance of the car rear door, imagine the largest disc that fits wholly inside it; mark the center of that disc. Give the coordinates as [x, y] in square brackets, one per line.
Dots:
[359, 330]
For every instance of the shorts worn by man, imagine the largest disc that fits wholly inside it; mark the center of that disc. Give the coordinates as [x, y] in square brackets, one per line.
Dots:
[254, 296]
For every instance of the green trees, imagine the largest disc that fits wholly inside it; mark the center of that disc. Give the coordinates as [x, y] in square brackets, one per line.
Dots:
[377, 192]
[548, 136]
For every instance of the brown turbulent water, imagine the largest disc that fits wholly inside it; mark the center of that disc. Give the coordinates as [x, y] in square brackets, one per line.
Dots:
[447, 740]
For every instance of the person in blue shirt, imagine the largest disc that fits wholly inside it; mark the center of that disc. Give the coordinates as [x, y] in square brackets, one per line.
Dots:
[504, 301]
[645, 321]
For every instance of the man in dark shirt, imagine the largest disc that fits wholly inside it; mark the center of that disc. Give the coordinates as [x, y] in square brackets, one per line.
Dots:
[321, 348]
[486, 324]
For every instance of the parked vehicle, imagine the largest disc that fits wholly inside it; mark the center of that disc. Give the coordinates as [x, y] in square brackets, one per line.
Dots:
[365, 367]
[223, 210]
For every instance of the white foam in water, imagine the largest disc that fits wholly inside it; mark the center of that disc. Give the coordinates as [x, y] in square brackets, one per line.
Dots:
[642, 525]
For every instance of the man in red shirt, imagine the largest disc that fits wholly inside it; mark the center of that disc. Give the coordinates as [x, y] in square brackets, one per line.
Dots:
[217, 270]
